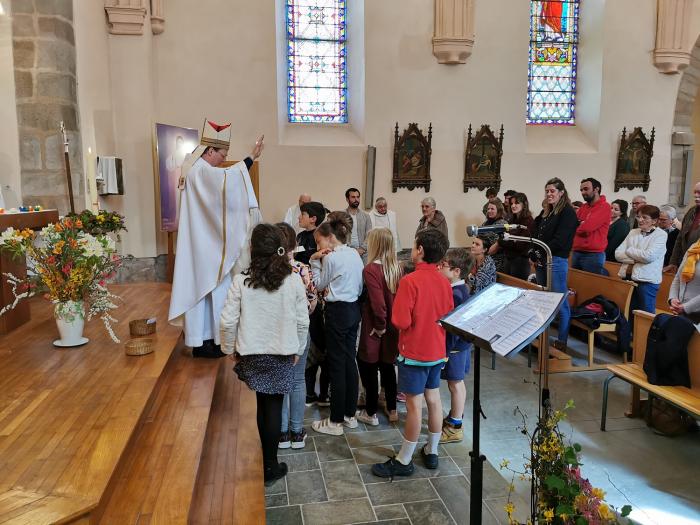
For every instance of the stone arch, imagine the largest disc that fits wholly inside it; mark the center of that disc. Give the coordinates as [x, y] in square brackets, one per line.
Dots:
[682, 121]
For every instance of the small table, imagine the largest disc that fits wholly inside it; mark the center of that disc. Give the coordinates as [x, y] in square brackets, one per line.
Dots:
[33, 220]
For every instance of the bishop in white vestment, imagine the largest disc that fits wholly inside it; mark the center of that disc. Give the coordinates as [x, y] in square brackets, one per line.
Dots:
[218, 209]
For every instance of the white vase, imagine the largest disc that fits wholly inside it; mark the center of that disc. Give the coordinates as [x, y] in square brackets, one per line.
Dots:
[70, 320]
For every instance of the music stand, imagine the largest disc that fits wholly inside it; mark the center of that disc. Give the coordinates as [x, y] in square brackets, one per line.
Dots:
[504, 320]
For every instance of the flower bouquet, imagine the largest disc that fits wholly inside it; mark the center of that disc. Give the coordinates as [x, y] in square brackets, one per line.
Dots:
[100, 223]
[70, 267]
[560, 494]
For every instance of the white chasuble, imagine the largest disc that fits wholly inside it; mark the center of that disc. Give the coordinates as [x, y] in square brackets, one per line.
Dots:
[218, 209]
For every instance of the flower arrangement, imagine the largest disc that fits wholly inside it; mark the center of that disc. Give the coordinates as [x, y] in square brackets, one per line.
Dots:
[66, 264]
[561, 495]
[100, 223]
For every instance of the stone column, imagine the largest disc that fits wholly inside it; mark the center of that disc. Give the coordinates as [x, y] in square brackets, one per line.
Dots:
[454, 31]
[45, 85]
[672, 53]
[157, 16]
[125, 17]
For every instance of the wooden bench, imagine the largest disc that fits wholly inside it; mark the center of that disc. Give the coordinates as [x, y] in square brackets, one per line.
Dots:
[587, 285]
[687, 399]
[613, 269]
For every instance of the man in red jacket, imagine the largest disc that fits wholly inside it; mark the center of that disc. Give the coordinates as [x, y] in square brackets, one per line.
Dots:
[591, 237]
[423, 297]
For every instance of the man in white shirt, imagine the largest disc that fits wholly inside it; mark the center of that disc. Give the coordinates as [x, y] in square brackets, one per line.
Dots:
[361, 224]
[382, 217]
[294, 212]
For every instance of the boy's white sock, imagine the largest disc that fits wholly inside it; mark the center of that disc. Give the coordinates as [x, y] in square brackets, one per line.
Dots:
[431, 447]
[406, 453]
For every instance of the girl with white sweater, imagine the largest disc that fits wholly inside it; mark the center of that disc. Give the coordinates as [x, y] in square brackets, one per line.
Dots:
[266, 295]
[642, 257]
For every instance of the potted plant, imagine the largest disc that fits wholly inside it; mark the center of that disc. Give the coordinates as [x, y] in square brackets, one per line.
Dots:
[70, 267]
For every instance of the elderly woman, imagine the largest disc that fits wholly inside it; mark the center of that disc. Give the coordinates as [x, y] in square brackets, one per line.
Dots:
[642, 257]
[432, 218]
[684, 295]
[667, 222]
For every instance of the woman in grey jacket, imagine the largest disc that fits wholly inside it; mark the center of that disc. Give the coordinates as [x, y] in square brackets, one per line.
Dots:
[684, 296]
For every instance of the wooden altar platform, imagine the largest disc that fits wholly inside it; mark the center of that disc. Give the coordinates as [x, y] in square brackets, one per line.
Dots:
[91, 435]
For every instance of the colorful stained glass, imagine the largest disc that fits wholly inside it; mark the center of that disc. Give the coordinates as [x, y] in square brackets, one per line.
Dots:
[316, 53]
[551, 94]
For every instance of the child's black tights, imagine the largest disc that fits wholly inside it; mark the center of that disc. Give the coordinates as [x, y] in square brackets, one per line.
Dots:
[269, 423]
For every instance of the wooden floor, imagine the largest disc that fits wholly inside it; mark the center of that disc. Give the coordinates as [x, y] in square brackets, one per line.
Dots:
[89, 433]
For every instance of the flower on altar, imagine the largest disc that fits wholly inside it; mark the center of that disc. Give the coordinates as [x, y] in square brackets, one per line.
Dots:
[66, 262]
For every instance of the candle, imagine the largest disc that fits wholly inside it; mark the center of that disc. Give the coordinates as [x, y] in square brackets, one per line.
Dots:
[91, 193]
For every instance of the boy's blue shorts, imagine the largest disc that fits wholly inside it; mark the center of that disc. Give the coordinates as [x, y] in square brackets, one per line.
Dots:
[415, 379]
[457, 366]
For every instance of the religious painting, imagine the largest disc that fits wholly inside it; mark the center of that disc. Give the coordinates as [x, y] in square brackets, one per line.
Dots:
[412, 152]
[634, 160]
[173, 143]
[482, 166]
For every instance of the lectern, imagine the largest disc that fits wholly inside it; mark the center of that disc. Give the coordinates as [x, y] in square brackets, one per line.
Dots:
[34, 220]
[503, 320]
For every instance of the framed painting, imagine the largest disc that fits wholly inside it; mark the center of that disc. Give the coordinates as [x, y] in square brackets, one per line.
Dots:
[172, 144]
[482, 166]
[412, 151]
[634, 160]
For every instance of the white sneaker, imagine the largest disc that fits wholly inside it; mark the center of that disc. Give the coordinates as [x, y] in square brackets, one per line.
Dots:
[350, 422]
[326, 426]
[363, 416]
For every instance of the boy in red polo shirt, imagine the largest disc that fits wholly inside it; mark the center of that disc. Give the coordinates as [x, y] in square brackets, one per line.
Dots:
[423, 297]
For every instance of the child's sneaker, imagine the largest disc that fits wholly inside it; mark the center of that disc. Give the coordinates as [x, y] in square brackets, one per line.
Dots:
[401, 397]
[311, 400]
[299, 439]
[326, 426]
[429, 460]
[273, 474]
[323, 402]
[393, 415]
[350, 422]
[363, 416]
[284, 441]
[392, 468]
[451, 433]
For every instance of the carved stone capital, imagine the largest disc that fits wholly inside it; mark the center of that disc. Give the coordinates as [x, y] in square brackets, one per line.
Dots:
[125, 17]
[453, 38]
[157, 17]
[671, 53]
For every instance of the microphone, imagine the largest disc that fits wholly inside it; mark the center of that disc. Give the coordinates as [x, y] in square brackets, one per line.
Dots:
[474, 230]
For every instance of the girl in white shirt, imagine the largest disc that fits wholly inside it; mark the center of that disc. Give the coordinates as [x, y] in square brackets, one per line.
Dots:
[264, 326]
[337, 269]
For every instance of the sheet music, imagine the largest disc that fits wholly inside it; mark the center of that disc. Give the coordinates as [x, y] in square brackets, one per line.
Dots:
[505, 316]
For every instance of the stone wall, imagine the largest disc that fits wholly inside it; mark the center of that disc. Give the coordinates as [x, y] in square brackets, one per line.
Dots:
[45, 84]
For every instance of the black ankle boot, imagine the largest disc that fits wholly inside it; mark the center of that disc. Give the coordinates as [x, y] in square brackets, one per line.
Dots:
[275, 473]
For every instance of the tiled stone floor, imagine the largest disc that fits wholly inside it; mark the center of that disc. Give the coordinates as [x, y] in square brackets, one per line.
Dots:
[330, 480]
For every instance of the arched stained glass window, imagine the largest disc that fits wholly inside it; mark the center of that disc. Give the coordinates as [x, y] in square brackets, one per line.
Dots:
[317, 66]
[551, 95]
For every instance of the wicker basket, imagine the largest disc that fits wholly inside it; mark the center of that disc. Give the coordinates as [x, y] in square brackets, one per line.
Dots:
[141, 346]
[139, 327]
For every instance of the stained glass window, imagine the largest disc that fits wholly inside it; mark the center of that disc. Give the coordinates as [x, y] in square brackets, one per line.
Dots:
[551, 95]
[316, 53]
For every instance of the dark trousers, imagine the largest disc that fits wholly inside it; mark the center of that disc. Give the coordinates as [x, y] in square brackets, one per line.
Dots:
[342, 322]
[368, 374]
[310, 377]
[269, 423]
[517, 266]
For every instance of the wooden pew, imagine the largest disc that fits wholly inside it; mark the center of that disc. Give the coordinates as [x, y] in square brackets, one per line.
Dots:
[687, 399]
[613, 269]
[588, 285]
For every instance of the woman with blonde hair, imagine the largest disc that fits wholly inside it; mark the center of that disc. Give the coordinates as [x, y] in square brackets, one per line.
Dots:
[379, 339]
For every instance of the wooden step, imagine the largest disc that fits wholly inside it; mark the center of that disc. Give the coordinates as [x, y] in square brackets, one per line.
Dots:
[155, 478]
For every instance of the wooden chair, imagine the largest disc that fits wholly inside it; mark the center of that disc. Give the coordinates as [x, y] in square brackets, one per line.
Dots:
[687, 399]
[588, 285]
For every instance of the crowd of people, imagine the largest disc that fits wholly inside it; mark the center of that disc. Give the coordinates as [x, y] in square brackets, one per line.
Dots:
[346, 311]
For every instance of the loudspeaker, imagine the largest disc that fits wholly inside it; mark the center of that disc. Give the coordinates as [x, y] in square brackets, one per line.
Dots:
[369, 173]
